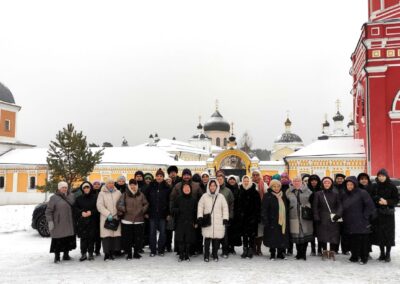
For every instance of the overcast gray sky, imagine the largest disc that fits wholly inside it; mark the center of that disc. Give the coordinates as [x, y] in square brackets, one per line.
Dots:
[131, 68]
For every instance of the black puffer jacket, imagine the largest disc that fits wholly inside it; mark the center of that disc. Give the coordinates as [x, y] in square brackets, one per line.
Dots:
[86, 227]
[357, 209]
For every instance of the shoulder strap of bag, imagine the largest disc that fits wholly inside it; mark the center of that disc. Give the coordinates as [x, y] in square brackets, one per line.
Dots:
[327, 204]
[66, 200]
[212, 209]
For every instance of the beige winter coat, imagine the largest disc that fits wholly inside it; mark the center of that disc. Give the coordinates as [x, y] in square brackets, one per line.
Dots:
[106, 205]
[220, 213]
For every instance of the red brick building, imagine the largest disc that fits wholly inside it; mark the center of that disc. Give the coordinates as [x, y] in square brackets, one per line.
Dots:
[376, 86]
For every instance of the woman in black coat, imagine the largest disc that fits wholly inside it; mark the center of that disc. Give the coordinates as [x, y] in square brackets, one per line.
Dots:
[275, 219]
[86, 216]
[249, 207]
[314, 184]
[325, 203]
[234, 232]
[184, 211]
[385, 197]
[357, 211]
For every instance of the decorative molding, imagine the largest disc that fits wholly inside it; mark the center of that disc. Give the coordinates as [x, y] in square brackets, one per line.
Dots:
[394, 114]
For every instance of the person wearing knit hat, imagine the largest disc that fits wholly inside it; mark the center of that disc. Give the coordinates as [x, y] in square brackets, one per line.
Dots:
[59, 216]
[121, 185]
[262, 188]
[327, 229]
[160, 172]
[148, 178]
[386, 197]
[276, 177]
[274, 211]
[186, 172]
[158, 195]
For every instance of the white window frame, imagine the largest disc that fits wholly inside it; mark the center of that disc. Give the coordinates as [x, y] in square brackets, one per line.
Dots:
[395, 113]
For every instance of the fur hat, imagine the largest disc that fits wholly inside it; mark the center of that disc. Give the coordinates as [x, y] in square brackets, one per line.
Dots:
[220, 172]
[139, 173]
[62, 184]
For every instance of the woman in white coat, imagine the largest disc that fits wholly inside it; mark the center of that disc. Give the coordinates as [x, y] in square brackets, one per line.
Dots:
[213, 228]
[107, 206]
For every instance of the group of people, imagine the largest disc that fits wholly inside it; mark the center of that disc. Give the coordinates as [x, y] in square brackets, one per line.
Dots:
[194, 214]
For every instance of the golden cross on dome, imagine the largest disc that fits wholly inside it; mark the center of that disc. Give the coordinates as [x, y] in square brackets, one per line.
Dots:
[216, 104]
[288, 113]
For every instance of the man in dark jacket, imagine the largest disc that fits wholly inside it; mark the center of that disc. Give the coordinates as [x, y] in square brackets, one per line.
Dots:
[173, 175]
[157, 194]
[230, 199]
[357, 211]
[85, 211]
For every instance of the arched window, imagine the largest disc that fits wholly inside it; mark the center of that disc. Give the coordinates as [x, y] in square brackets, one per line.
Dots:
[395, 112]
[218, 142]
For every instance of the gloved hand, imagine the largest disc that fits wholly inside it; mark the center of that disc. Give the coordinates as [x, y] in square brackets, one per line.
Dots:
[335, 218]
[51, 226]
[225, 222]
[109, 217]
[200, 221]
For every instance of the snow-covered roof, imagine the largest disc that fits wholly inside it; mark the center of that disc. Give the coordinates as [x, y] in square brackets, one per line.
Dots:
[169, 145]
[112, 156]
[341, 148]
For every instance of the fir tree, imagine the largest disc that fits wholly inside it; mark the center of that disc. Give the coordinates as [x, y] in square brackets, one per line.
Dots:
[69, 158]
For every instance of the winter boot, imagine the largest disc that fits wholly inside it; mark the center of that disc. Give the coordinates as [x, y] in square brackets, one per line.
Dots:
[83, 257]
[129, 255]
[273, 256]
[245, 252]
[250, 253]
[66, 256]
[281, 254]
[331, 255]
[57, 257]
[387, 257]
[136, 254]
[325, 255]
[91, 257]
[106, 257]
[112, 256]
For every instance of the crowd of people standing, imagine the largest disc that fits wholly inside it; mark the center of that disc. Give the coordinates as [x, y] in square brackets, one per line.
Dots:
[194, 214]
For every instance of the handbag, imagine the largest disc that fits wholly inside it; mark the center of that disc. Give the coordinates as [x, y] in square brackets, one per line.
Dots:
[305, 211]
[207, 217]
[330, 212]
[386, 211]
[111, 225]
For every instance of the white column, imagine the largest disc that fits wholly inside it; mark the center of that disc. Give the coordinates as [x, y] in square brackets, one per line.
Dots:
[15, 182]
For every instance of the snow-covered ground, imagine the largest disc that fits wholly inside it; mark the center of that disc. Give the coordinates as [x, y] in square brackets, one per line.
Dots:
[24, 258]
